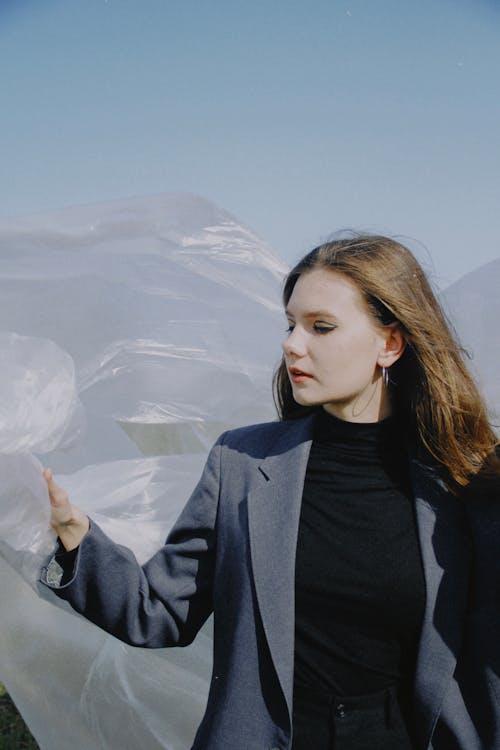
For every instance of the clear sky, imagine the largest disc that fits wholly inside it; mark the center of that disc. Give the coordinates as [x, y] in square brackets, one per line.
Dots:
[301, 118]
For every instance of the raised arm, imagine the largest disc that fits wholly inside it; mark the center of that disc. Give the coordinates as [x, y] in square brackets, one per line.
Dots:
[164, 602]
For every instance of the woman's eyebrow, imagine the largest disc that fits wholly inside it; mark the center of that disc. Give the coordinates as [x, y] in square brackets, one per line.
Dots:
[313, 314]
[320, 314]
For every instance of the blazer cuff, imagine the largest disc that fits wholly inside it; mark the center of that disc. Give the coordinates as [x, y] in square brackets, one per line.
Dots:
[61, 568]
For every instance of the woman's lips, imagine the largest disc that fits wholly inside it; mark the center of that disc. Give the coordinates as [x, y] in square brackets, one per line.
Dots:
[298, 376]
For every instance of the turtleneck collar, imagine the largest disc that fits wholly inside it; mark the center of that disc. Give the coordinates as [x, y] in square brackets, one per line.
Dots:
[331, 429]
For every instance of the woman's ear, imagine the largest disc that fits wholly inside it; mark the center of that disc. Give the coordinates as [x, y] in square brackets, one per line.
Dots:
[394, 347]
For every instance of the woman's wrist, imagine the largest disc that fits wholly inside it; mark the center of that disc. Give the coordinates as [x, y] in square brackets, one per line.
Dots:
[73, 531]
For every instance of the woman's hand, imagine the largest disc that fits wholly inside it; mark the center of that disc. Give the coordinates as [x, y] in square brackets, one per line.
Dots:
[67, 520]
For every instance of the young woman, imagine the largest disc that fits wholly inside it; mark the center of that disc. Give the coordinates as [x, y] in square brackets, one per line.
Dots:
[349, 551]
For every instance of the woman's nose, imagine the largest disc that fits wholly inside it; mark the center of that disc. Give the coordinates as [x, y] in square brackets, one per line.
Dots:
[294, 344]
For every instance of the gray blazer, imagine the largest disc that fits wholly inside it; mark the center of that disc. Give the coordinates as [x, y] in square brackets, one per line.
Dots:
[232, 551]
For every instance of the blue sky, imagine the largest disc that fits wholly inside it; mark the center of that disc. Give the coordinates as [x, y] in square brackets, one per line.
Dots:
[301, 118]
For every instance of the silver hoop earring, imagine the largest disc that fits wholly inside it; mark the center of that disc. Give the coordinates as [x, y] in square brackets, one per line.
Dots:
[385, 376]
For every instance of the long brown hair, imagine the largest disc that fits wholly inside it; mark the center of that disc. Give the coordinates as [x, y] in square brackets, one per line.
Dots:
[432, 391]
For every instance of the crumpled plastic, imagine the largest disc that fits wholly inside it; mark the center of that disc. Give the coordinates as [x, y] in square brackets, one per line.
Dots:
[39, 411]
[71, 681]
[143, 329]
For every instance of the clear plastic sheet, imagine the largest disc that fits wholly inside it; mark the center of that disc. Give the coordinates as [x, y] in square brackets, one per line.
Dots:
[39, 409]
[169, 310]
[473, 304]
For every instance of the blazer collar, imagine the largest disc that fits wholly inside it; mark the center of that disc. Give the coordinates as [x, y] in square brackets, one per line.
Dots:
[297, 436]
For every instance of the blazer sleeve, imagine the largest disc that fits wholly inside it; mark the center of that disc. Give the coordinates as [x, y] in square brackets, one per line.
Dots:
[166, 601]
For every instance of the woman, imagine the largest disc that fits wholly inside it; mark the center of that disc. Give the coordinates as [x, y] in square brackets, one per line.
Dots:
[351, 577]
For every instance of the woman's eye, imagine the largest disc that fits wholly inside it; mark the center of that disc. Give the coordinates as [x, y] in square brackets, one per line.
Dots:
[323, 329]
[289, 329]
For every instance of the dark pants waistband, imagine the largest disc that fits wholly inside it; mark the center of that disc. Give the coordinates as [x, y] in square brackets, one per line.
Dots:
[327, 721]
[355, 702]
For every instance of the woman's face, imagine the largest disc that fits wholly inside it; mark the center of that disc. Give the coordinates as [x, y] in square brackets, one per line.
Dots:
[335, 348]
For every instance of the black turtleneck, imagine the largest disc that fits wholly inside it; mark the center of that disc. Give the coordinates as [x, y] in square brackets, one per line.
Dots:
[360, 590]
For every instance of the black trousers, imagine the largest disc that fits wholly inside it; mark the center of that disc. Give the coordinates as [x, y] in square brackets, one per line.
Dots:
[323, 721]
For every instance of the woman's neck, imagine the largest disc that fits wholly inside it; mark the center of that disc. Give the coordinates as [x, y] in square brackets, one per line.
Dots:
[371, 406]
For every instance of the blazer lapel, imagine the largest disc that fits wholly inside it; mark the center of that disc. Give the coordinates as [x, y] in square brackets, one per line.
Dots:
[273, 513]
[446, 557]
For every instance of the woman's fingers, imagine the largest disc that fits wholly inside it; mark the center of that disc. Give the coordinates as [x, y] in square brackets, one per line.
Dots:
[58, 497]
[67, 520]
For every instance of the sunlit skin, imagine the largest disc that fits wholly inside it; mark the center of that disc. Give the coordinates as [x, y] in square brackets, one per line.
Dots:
[335, 348]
